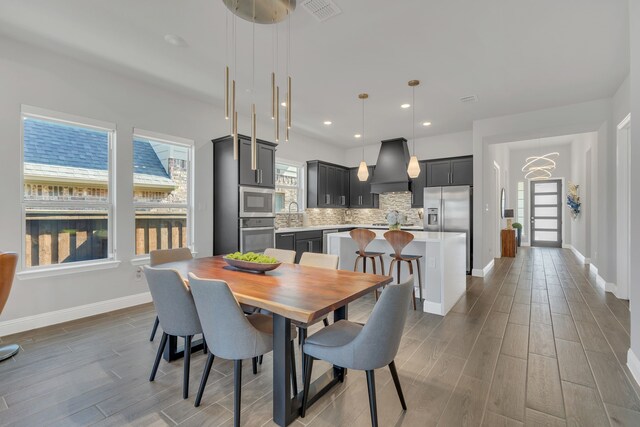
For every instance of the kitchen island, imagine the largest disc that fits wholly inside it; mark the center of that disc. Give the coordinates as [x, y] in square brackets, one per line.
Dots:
[443, 263]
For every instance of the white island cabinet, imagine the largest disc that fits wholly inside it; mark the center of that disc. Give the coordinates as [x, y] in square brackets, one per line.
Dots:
[443, 264]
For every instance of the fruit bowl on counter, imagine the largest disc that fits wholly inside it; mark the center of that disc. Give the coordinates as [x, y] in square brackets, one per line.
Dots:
[252, 262]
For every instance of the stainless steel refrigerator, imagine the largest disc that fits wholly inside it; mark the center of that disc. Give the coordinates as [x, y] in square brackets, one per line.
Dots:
[450, 209]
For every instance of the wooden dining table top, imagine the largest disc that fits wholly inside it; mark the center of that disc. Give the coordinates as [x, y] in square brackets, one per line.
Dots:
[298, 292]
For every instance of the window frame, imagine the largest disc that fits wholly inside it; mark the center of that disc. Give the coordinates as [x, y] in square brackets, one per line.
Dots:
[190, 145]
[301, 199]
[524, 204]
[26, 112]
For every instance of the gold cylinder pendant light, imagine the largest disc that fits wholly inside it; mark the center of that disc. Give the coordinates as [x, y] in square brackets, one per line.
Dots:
[254, 145]
[363, 170]
[413, 169]
[274, 98]
[277, 114]
[226, 93]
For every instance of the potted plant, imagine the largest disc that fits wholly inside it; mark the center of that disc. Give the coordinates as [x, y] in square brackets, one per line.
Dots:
[518, 228]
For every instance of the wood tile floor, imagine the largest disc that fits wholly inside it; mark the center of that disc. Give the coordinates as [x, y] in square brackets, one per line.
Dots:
[536, 342]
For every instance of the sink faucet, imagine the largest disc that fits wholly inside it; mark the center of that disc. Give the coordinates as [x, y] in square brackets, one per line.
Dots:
[289, 216]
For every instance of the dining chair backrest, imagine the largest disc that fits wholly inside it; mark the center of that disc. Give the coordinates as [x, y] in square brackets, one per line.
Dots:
[162, 256]
[378, 342]
[228, 332]
[398, 239]
[173, 301]
[313, 259]
[362, 237]
[281, 255]
[8, 262]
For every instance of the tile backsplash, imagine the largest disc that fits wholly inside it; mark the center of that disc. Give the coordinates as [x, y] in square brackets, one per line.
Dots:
[388, 201]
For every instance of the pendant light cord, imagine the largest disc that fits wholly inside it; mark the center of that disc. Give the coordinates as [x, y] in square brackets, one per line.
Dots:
[413, 118]
[363, 129]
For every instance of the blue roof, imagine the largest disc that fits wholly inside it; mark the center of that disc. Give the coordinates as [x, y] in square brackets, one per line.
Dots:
[63, 145]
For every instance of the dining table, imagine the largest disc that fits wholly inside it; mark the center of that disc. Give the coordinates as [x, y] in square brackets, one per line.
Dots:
[292, 292]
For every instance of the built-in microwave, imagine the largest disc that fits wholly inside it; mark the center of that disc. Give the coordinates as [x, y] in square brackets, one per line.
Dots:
[257, 202]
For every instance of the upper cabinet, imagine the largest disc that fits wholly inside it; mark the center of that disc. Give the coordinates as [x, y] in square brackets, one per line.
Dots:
[446, 172]
[264, 175]
[327, 185]
[360, 195]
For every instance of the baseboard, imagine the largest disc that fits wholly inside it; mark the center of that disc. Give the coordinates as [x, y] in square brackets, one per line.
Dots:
[578, 255]
[28, 323]
[602, 284]
[611, 287]
[526, 244]
[477, 272]
[432, 307]
[567, 246]
[634, 365]
[593, 268]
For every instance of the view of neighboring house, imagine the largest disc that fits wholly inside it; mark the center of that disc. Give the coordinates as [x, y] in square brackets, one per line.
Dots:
[69, 164]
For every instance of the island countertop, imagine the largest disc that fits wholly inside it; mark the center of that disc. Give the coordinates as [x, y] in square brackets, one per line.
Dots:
[418, 236]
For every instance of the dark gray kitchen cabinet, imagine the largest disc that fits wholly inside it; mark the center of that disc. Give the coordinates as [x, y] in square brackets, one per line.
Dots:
[417, 186]
[453, 171]
[264, 175]
[308, 241]
[438, 173]
[327, 185]
[462, 171]
[286, 241]
[360, 196]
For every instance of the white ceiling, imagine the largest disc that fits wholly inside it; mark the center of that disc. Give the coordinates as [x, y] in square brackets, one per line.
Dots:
[515, 56]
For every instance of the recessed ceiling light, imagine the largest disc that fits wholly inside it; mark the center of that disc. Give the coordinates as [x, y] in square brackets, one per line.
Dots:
[405, 105]
[426, 124]
[284, 104]
[327, 122]
[175, 40]
[357, 135]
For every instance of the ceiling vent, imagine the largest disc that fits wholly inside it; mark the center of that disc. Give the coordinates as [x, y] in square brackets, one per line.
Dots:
[321, 9]
[469, 99]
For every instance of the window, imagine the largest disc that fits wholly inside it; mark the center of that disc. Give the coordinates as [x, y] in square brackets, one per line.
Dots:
[162, 186]
[67, 203]
[288, 186]
[520, 207]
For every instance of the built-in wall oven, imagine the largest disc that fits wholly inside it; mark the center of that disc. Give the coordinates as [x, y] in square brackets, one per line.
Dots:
[257, 202]
[257, 234]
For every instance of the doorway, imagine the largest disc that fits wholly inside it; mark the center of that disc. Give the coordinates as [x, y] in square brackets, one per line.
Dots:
[546, 214]
[623, 225]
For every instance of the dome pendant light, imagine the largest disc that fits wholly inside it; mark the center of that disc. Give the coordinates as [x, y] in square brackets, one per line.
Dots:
[363, 170]
[413, 169]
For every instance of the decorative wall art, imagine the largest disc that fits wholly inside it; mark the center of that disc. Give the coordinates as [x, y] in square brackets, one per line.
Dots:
[573, 200]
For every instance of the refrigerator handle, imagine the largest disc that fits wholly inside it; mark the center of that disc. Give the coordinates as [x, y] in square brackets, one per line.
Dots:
[442, 217]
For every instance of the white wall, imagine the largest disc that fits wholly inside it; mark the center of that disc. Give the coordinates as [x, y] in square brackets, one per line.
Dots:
[634, 13]
[563, 169]
[434, 147]
[571, 119]
[39, 78]
[580, 227]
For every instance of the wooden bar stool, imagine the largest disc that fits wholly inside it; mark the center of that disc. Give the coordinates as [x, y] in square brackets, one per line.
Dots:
[363, 237]
[398, 239]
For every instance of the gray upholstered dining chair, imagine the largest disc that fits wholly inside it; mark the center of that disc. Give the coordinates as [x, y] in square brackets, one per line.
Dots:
[313, 259]
[177, 313]
[320, 260]
[365, 348]
[282, 255]
[162, 256]
[231, 334]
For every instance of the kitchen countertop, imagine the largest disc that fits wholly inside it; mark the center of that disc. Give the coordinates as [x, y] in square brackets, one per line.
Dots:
[418, 236]
[341, 226]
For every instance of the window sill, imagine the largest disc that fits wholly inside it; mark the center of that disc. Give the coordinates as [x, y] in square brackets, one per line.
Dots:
[62, 270]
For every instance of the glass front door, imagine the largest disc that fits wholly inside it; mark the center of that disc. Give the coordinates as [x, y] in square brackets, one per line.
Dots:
[546, 216]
